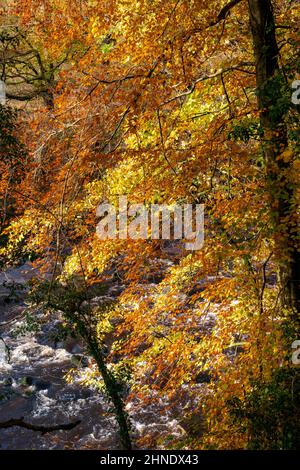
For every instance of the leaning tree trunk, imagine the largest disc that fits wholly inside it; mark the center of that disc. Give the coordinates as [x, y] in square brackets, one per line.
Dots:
[87, 333]
[114, 395]
[275, 141]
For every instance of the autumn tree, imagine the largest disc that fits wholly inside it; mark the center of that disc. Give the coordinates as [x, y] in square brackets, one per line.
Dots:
[278, 151]
[169, 103]
[12, 158]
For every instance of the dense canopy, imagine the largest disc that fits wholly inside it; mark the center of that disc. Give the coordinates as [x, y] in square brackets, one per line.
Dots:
[179, 102]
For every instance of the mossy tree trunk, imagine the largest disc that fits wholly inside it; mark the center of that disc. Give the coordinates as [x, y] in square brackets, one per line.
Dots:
[275, 142]
[112, 389]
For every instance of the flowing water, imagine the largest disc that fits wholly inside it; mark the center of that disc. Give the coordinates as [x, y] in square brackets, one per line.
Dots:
[33, 386]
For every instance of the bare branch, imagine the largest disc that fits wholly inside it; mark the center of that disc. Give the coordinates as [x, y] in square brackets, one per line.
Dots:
[33, 427]
[191, 88]
[224, 12]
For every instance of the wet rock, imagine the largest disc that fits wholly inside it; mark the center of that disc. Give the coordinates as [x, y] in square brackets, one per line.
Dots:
[8, 382]
[73, 345]
[16, 407]
[37, 383]
[101, 301]
[4, 295]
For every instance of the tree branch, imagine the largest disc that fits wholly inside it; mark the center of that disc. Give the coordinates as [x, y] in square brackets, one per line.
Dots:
[224, 12]
[32, 427]
[192, 87]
